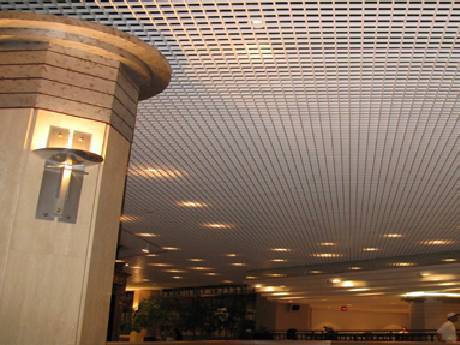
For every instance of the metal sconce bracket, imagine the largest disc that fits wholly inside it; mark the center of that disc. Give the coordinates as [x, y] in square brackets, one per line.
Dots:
[62, 182]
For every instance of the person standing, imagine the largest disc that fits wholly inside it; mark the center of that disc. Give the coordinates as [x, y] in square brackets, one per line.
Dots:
[447, 333]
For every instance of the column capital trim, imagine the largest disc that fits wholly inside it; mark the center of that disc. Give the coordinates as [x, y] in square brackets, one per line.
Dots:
[149, 67]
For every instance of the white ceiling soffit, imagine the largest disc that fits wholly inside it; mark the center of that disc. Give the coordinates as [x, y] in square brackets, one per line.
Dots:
[297, 123]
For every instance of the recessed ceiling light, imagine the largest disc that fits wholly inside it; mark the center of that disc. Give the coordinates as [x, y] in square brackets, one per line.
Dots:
[257, 23]
[200, 268]
[120, 260]
[196, 260]
[280, 249]
[276, 275]
[328, 244]
[193, 204]
[163, 173]
[358, 290]
[402, 264]
[211, 273]
[159, 264]
[227, 281]
[336, 281]
[392, 235]
[170, 248]
[146, 251]
[177, 277]
[364, 294]
[174, 271]
[449, 260]
[220, 226]
[278, 260]
[354, 268]
[436, 242]
[250, 277]
[238, 264]
[231, 255]
[145, 234]
[151, 255]
[280, 294]
[370, 249]
[136, 267]
[315, 272]
[326, 255]
[447, 284]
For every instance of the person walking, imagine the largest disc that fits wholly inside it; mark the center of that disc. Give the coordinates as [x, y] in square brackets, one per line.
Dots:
[447, 333]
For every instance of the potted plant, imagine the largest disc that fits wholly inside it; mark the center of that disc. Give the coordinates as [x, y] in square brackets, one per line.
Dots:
[139, 325]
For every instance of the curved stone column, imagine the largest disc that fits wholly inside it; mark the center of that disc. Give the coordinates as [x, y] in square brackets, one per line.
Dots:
[80, 80]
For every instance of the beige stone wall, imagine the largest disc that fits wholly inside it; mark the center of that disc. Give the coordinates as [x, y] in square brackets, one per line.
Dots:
[279, 317]
[431, 313]
[358, 319]
[55, 278]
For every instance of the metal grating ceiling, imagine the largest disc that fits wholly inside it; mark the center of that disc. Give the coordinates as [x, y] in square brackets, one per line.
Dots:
[297, 123]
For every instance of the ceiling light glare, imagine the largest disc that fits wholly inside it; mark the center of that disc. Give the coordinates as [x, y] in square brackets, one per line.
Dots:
[230, 255]
[218, 226]
[359, 290]
[276, 275]
[196, 260]
[326, 255]
[152, 255]
[392, 235]
[280, 294]
[280, 250]
[278, 260]
[146, 251]
[159, 264]
[328, 244]
[211, 273]
[172, 249]
[436, 242]
[127, 218]
[449, 260]
[192, 204]
[315, 272]
[163, 173]
[369, 294]
[370, 249]
[238, 264]
[437, 277]
[430, 294]
[177, 277]
[227, 281]
[403, 264]
[174, 271]
[354, 268]
[145, 234]
[200, 268]
[250, 277]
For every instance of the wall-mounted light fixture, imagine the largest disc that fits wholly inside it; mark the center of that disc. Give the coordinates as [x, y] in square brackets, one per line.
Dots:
[67, 153]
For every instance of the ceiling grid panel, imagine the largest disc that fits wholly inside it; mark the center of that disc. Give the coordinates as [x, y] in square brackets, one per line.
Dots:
[293, 124]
